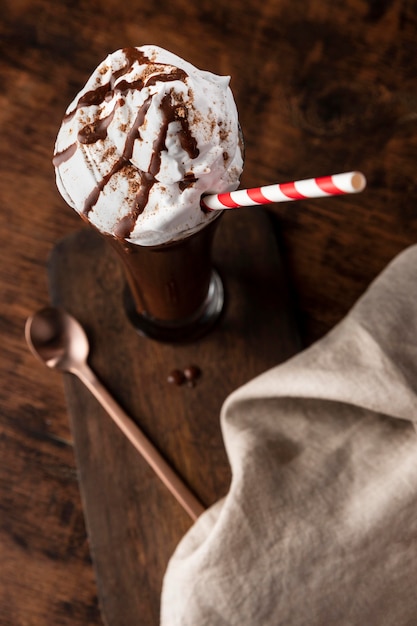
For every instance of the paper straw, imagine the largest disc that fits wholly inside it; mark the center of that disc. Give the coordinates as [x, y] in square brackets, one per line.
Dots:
[338, 184]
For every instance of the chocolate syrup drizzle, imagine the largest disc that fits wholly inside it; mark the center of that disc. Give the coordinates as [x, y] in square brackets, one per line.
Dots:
[65, 155]
[91, 133]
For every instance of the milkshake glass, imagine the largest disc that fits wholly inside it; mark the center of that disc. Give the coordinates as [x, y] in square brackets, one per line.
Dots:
[172, 292]
[142, 142]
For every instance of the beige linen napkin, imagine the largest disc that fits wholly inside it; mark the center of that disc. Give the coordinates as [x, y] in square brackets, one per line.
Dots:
[320, 525]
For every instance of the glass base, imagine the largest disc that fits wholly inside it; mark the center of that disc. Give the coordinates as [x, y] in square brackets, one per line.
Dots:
[180, 331]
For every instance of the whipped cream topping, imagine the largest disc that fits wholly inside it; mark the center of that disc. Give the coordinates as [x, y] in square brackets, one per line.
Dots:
[146, 137]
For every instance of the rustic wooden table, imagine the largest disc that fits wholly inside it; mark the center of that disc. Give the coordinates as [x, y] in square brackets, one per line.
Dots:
[321, 85]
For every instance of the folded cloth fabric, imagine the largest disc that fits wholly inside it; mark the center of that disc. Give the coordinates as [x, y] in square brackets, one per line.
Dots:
[320, 525]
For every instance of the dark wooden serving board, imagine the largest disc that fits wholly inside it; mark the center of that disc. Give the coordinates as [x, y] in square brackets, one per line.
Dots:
[133, 522]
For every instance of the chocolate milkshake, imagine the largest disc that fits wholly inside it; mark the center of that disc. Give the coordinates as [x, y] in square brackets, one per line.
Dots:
[146, 137]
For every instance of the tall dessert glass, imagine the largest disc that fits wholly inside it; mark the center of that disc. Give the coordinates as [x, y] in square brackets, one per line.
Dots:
[173, 293]
[143, 141]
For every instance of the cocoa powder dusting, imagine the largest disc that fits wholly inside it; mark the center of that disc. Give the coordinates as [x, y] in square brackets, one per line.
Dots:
[173, 109]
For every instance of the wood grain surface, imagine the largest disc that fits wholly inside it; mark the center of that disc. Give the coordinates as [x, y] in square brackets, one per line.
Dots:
[322, 86]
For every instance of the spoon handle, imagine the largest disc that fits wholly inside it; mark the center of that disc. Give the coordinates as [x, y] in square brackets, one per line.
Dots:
[142, 444]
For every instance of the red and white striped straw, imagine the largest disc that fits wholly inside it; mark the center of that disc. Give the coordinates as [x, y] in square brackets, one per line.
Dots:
[338, 184]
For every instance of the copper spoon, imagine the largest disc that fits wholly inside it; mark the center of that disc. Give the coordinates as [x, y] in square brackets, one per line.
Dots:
[59, 341]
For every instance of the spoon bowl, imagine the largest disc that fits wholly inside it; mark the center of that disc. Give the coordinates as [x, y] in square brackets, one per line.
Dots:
[57, 339]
